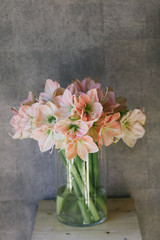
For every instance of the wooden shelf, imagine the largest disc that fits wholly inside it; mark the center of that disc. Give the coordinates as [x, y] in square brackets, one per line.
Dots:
[122, 223]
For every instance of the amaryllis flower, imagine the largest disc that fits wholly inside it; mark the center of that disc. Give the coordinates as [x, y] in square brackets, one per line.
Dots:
[71, 129]
[133, 126]
[45, 137]
[65, 105]
[30, 100]
[110, 129]
[46, 114]
[87, 84]
[50, 88]
[81, 147]
[107, 99]
[88, 106]
[23, 121]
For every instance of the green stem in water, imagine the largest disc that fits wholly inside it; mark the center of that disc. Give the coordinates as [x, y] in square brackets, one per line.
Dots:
[100, 203]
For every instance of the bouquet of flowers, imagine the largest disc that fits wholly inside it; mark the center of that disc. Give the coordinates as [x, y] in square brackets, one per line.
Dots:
[78, 120]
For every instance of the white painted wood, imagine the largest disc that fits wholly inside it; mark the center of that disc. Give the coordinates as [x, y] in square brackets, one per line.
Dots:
[122, 223]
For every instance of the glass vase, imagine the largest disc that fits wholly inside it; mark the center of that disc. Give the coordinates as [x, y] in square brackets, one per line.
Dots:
[81, 198]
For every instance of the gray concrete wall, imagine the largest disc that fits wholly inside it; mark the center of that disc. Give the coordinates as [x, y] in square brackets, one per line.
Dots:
[117, 41]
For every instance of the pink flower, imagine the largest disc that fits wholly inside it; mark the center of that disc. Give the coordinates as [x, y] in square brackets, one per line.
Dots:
[71, 129]
[88, 106]
[46, 114]
[107, 100]
[30, 100]
[86, 85]
[81, 147]
[65, 105]
[110, 128]
[133, 126]
[50, 88]
[23, 121]
[45, 137]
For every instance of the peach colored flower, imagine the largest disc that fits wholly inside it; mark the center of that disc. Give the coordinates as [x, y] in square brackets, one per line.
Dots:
[46, 114]
[133, 126]
[50, 88]
[30, 100]
[87, 84]
[71, 129]
[88, 106]
[65, 105]
[45, 137]
[81, 147]
[110, 129]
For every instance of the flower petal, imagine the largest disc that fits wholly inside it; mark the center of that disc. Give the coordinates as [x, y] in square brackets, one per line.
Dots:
[91, 146]
[97, 110]
[49, 90]
[50, 87]
[67, 98]
[62, 113]
[93, 95]
[71, 150]
[107, 139]
[129, 141]
[82, 150]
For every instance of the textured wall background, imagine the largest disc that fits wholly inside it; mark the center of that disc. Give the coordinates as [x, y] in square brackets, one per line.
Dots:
[117, 41]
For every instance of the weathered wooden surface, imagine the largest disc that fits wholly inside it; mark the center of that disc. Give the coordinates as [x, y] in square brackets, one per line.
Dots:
[122, 224]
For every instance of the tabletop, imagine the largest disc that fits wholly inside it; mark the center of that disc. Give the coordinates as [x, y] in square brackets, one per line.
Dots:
[121, 224]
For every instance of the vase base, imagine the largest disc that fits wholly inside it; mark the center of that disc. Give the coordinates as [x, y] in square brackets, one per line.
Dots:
[82, 225]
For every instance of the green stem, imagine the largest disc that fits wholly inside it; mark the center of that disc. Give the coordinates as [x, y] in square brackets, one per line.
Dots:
[77, 177]
[64, 160]
[84, 210]
[90, 165]
[82, 173]
[93, 210]
[100, 202]
[95, 169]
